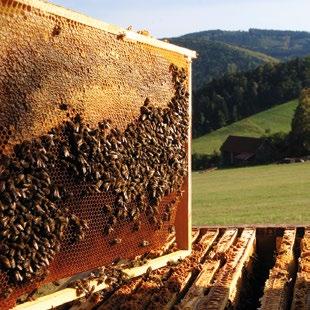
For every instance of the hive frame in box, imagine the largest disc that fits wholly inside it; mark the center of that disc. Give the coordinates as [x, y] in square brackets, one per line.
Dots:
[183, 220]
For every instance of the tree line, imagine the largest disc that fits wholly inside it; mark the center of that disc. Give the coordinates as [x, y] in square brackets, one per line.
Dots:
[277, 146]
[236, 96]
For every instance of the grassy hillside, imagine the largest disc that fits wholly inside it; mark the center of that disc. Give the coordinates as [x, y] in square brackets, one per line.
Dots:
[217, 58]
[275, 119]
[273, 194]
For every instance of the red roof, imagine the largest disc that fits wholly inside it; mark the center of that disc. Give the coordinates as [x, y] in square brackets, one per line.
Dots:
[239, 144]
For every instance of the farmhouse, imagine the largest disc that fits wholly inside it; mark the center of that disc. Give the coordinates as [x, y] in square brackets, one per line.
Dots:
[238, 150]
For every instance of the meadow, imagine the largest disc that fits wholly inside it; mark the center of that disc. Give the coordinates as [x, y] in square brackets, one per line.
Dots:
[276, 119]
[271, 194]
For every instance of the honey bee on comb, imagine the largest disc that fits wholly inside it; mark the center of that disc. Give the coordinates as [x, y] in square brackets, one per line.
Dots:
[121, 36]
[137, 167]
[144, 243]
[144, 32]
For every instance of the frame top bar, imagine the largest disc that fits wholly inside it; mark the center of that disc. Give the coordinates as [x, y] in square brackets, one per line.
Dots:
[98, 24]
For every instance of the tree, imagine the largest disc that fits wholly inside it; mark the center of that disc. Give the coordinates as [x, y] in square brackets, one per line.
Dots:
[301, 124]
[236, 96]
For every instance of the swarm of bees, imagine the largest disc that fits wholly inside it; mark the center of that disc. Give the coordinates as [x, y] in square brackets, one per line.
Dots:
[32, 225]
[138, 166]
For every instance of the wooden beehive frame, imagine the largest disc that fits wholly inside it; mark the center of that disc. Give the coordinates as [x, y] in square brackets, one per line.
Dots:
[94, 23]
[183, 221]
[69, 294]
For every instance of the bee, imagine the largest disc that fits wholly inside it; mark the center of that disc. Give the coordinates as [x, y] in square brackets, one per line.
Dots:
[171, 229]
[4, 261]
[18, 276]
[137, 226]
[95, 298]
[144, 32]
[56, 194]
[30, 296]
[6, 293]
[6, 198]
[108, 229]
[148, 272]
[121, 36]
[79, 291]
[2, 186]
[106, 209]
[19, 227]
[56, 31]
[98, 185]
[159, 225]
[65, 151]
[4, 221]
[63, 106]
[97, 176]
[84, 224]
[106, 186]
[116, 241]
[144, 243]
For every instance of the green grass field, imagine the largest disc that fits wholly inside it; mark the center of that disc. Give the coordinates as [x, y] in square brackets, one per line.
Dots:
[275, 119]
[272, 194]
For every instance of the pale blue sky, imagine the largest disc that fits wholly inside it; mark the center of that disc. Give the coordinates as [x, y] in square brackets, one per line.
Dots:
[164, 18]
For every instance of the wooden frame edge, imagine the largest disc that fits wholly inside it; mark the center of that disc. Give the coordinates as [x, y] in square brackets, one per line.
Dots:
[69, 294]
[184, 213]
[58, 10]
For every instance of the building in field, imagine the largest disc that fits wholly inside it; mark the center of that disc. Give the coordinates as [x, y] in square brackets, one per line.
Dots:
[239, 150]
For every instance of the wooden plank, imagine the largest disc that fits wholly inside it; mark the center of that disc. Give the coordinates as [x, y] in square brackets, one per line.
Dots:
[183, 272]
[132, 296]
[276, 287]
[225, 287]
[69, 294]
[57, 10]
[301, 297]
[209, 268]
[183, 231]
[207, 240]
[195, 235]
[183, 221]
[174, 297]
[157, 263]
[151, 255]
[168, 246]
[141, 297]
[224, 243]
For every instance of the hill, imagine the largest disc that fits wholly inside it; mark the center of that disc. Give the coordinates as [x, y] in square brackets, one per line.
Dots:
[274, 120]
[273, 194]
[236, 96]
[216, 58]
[223, 52]
[275, 43]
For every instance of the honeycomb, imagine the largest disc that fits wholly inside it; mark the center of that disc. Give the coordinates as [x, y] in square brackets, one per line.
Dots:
[53, 70]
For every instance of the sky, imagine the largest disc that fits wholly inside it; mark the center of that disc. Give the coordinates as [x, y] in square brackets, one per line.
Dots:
[168, 18]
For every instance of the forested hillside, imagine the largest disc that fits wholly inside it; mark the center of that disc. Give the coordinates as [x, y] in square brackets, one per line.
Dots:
[271, 121]
[236, 96]
[223, 52]
[275, 43]
[216, 58]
